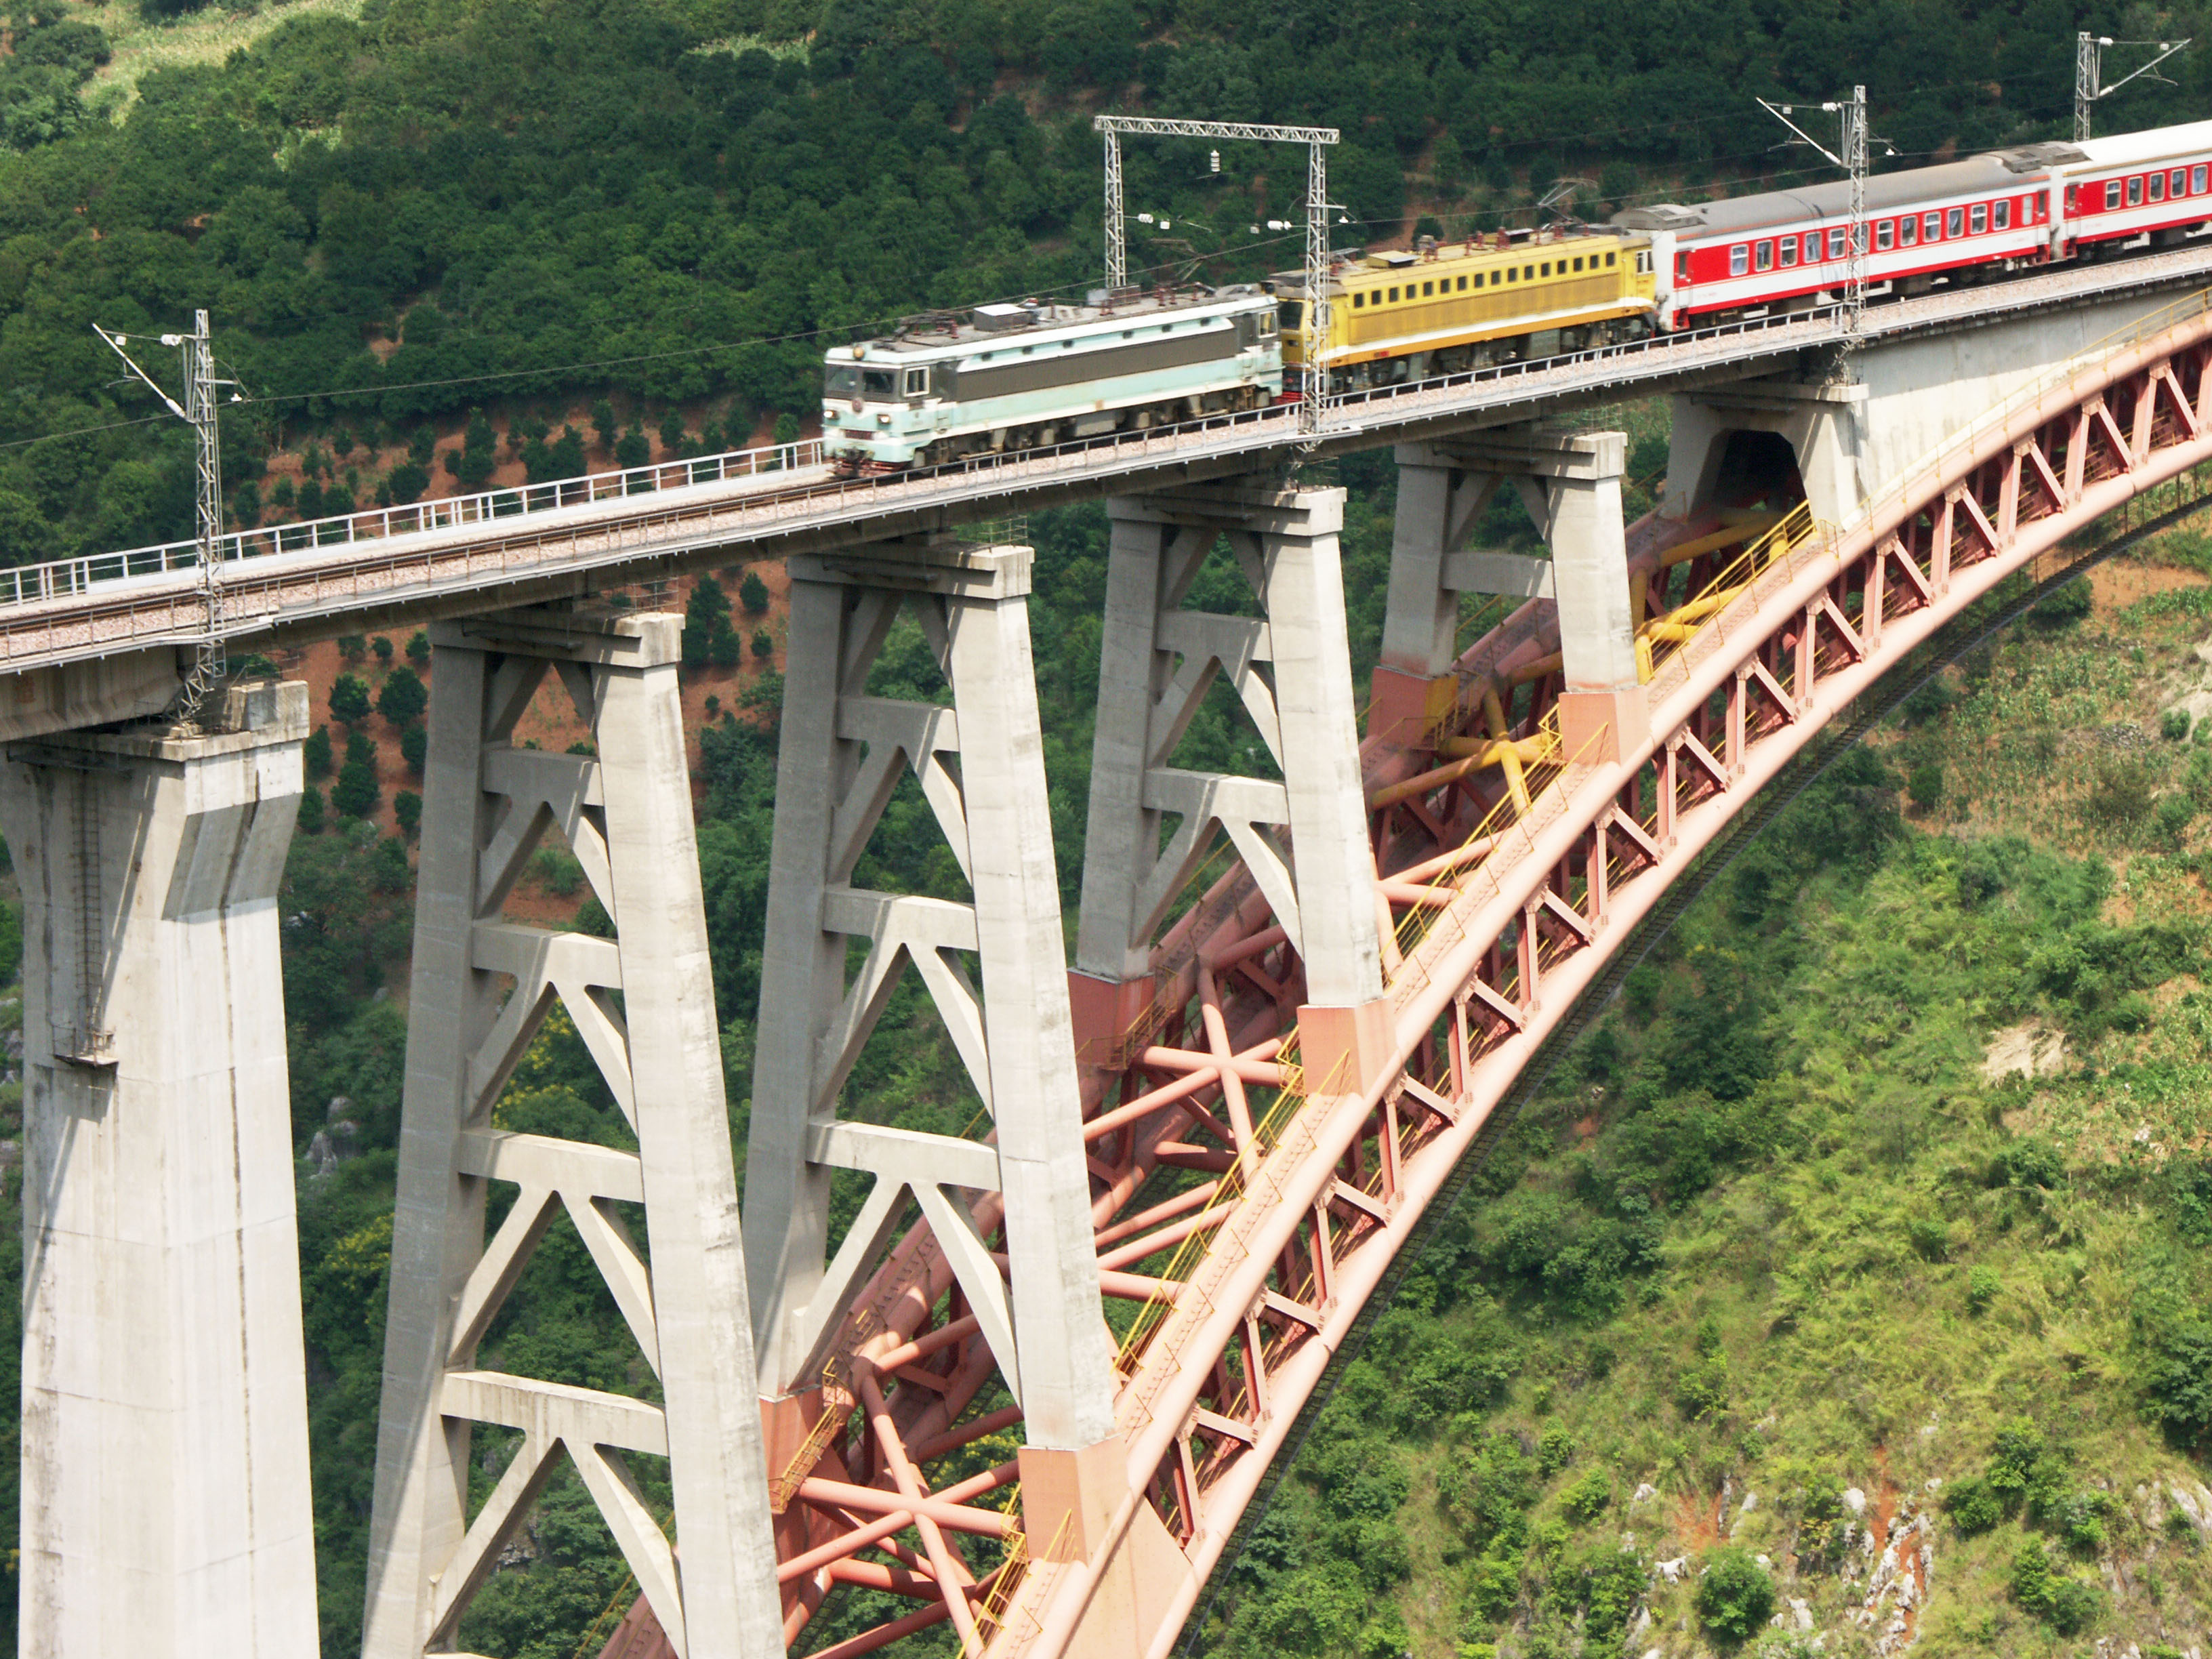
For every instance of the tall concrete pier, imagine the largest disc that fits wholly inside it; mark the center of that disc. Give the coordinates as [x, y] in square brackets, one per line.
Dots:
[166, 1501]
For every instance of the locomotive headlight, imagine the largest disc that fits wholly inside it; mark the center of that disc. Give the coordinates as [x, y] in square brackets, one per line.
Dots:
[883, 420]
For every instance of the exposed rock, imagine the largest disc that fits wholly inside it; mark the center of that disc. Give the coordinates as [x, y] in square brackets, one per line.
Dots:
[340, 1106]
[2027, 1049]
[1801, 1612]
[1855, 1500]
[1644, 1493]
[322, 1155]
[1672, 1571]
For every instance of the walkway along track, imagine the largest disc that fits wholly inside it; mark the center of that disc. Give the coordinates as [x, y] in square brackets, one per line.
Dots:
[1233, 1295]
[379, 569]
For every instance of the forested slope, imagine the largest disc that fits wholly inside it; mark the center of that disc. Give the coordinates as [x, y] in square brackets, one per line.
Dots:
[1770, 1218]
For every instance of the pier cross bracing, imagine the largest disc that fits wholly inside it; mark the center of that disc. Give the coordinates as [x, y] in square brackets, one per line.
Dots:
[1292, 1004]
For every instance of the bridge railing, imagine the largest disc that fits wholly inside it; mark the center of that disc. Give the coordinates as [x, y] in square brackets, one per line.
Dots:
[63, 578]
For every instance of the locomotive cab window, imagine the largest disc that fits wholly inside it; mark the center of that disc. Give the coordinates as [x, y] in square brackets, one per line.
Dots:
[1764, 259]
[2001, 218]
[1789, 252]
[917, 383]
[2158, 187]
[1738, 259]
[1267, 324]
[1885, 236]
[2135, 190]
[1359, 301]
[1908, 231]
[877, 383]
[842, 381]
[1681, 267]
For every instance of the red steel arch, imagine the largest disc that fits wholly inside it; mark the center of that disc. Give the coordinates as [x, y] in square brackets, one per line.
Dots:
[1510, 872]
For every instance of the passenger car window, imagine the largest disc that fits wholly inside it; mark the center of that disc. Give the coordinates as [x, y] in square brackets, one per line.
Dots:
[1738, 259]
[2135, 190]
[1978, 217]
[2112, 192]
[1789, 252]
[1954, 222]
[1884, 235]
[1908, 231]
[2003, 216]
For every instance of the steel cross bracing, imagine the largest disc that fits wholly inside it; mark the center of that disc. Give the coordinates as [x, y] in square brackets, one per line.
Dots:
[286, 584]
[1243, 1207]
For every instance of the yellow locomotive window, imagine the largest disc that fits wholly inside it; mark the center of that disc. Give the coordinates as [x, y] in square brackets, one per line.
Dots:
[1463, 284]
[1428, 290]
[1357, 300]
[1394, 297]
[1545, 270]
[1478, 279]
[1578, 265]
[1610, 260]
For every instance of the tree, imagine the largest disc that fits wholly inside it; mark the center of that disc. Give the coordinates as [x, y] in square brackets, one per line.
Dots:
[315, 753]
[633, 448]
[407, 809]
[752, 593]
[348, 699]
[673, 438]
[708, 635]
[382, 646]
[603, 423]
[311, 810]
[414, 747]
[403, 699]
[564, 457]
[353, 647]
[407, 482]
[418, 648]
[356, 792]
[763, 647]
[1734, 1596]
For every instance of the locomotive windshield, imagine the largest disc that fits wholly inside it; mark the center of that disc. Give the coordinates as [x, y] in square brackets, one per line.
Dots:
[841, 381]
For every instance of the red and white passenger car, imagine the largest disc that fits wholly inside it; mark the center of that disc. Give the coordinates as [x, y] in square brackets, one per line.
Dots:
[1958, 222]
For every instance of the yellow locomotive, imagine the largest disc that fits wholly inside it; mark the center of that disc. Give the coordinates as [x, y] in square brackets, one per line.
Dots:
[1443, 308]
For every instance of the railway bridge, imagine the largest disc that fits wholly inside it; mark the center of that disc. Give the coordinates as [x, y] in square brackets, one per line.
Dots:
[1294, 1005]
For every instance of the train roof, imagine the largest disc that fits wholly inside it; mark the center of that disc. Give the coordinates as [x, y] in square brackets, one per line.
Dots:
[990, 325]
[2123, 148]
[1987, 173]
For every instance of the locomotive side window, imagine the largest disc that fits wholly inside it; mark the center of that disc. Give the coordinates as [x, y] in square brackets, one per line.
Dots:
[2135, 190]
[2158, 187]
[1954, 222]
[1977, 218]
[1789, 252]
[1681, 267]
[917, 382]
[1394, 297]
[1478, 279]
[1885, 234]
[2003, 217]
[1738, 259]
[1908, 231]
[1463, 284]
[1428, 290]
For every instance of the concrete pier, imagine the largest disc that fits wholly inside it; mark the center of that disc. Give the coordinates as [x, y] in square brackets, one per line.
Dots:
[481, 988]
[166, 1496]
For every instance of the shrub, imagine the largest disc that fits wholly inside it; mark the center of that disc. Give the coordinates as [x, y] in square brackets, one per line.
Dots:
[1973, 1506]
[311, 818]
[418, 649]
[382, 647]
[633, 448]
[356, 792]
[348, 699]
[353, 647]
[763, 647]
[1930, 1236]
[1702, 1390]
[387, 866]
[2026, 1163]
[315, 752]
[752, 593]
[2048, 1593]
[2173, 725]
[414, 747]
[557, 870]
[2064, 605]
[1554, 1450]
[406, 482]
[1734, 1596]
[2178, 1384]
[1982, 1287]
[1924, 784]
[407, 809]
[1590, 1496]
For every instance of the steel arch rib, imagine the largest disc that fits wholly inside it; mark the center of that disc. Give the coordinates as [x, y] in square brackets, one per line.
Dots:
[2162, 380]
